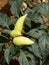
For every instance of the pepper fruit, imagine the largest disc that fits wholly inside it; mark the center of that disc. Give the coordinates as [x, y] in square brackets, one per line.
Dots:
[18, 27]
[21, 40]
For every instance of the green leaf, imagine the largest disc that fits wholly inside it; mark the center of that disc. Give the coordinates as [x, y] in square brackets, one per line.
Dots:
[43, 27]
[12, 21]
[30, 56]
[1, 46]
[8, 54]
[11, 2]
[4, 39]
[44, 46]
[47, 45]
[2, 60]
[28, 10]
[28, 23]
[34, 15]
[32, 11]
[32, 60]
[15, 7]
[37, 11]
[5, 31]
[36, 33]
[23, 59]
[37, 18]
[35, 49]
[4, 20]
[44, 9]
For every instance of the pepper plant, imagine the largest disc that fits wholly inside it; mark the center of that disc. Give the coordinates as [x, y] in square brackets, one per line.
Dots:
[36, 28]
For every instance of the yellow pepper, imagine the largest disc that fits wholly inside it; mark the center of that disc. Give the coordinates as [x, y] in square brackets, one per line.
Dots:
[15, 33]
[21, 40]
[19, 23]
[18, 27]
[18, 39]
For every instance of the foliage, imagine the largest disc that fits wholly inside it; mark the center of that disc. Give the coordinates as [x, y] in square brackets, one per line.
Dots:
[35, 28]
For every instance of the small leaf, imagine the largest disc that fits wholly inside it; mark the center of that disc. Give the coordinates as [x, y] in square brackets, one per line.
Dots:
[36, 33]
[8, 54]
[43, 27]
[12, 21]
[44, 46]
[34, 15]
[5, 31]
[2, 59]
[28, 10]
[15, 7]
[1, 46]
[4, 20]
[35, 49]
[22, 59]
[27, 23]
[3, 39]
[44, 9]
[37, 18]
[11, 2]
[32, 60]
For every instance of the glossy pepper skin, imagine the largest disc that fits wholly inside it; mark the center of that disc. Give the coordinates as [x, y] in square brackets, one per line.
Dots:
[21, 40]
